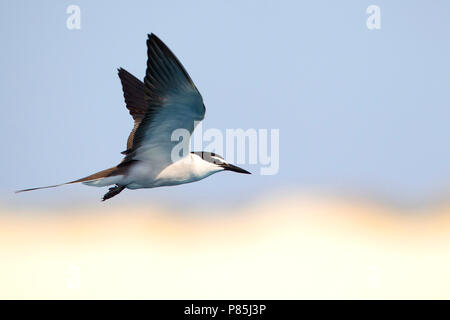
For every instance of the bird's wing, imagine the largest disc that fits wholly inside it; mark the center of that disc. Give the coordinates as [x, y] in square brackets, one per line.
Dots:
[133, 92]
[172, 101]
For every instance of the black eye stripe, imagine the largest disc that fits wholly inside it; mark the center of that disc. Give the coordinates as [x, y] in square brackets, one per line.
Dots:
[209, 156]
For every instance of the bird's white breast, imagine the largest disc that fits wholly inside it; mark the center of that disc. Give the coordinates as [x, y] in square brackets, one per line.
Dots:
[188, 169]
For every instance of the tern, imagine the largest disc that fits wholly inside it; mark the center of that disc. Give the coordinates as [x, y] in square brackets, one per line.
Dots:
[167, 100]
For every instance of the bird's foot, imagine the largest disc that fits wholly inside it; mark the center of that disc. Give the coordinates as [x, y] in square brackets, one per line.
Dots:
[113, 191]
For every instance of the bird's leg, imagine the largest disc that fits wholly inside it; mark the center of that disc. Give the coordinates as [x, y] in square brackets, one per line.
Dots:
[113, 191]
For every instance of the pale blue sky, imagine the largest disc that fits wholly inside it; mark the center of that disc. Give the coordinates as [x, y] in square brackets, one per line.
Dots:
[357, 109]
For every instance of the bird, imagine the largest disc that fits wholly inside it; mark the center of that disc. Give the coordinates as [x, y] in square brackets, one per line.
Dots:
[165, 101]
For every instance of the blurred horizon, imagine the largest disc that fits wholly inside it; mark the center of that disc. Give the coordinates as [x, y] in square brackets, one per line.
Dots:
[288, 247]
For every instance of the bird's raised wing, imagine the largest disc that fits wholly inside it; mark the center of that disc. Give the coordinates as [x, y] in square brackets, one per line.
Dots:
[172, 102]
[133, 92]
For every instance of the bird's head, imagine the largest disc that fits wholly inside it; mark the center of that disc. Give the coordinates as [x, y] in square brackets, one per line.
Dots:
[218, 161]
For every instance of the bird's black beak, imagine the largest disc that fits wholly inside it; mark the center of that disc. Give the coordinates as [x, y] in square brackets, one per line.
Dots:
[230, 167]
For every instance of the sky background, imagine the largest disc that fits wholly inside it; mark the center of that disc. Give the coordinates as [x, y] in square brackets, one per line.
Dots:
[358, 110]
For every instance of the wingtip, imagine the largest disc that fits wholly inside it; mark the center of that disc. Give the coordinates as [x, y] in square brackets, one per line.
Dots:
[121, 71]
[154, 38]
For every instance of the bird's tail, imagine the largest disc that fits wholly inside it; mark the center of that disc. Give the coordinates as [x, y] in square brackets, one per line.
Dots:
[46, 187]
[92, 178]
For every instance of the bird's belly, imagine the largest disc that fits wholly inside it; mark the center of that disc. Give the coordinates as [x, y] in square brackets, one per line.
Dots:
[175, 174]
[141, 175]
[144, 175]
[161, 181]
[173, 180]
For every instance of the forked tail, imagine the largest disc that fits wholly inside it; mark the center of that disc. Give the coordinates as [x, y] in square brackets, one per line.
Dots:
[46, 187]
[93, 177]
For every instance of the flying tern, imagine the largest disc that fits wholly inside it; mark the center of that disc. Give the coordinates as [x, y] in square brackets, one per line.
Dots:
[167, 100]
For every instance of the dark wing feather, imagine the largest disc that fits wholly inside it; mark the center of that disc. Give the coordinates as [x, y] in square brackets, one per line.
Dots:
[172, 102]
[133, 93]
